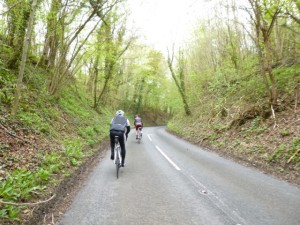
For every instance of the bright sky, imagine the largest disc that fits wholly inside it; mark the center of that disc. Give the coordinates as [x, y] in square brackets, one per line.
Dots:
[165, 22]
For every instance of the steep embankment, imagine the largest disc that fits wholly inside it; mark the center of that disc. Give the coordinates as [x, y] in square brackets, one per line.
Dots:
[271, 145]
[48, 141]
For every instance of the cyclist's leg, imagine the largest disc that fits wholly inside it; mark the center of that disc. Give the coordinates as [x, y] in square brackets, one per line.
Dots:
[136, 132]
[122, 145]
[112, 145]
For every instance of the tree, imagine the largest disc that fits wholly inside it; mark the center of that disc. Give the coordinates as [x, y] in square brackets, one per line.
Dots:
[265, 14]
[61, 72]
[179, 79]
[26, 43]
[111, 35]
[294, 15]
[53, 33]
[98, 9]
[18, 16]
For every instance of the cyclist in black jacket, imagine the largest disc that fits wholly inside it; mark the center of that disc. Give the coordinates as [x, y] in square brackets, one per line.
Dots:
[119, 126]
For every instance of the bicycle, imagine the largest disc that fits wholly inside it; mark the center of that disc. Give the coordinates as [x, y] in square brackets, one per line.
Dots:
[139, 133]
[117, 152]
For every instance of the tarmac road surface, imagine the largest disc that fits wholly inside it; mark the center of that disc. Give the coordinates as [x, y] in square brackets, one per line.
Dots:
[169, 181]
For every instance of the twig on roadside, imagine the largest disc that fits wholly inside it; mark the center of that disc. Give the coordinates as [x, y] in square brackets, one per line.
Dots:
[294, 122]
[291, 158]
[274, 117]
[26, 204]
[45, 219]
[297, 90]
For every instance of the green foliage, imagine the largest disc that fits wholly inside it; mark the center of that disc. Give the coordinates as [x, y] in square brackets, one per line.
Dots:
[90, 133]
[7, 85]
[277, 154]
[19, 186]
[256, 126]
[287, 78]
[214, 83]
[176, 124]
[213, 137]
[285, 132]
[296, 144]
[10, 212]
[52, 163]
[43, 174]
[34, 120]
[73, 151]
[289, 153]
[255, 123]
[4, 147]
[252, 89]
[74, 108]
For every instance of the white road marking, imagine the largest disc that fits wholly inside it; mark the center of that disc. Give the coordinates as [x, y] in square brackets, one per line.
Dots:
[218, 201]
[170, 161]
[203, 190]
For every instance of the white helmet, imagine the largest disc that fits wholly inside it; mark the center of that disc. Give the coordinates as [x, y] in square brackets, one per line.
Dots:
[119, 113]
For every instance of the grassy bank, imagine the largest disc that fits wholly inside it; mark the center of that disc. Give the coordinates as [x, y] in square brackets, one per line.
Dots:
[49, 138]
[237, 123]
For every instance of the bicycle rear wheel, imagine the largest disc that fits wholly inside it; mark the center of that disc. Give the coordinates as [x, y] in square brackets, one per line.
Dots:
[139, 135]
[118, 160]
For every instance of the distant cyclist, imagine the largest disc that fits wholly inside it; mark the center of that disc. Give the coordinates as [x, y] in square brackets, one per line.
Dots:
[119, 126]
[138, 123]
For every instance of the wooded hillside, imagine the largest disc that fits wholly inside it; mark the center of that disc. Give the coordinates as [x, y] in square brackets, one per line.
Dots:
[67, 66]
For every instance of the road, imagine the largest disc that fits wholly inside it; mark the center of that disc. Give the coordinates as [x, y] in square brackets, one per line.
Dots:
[169, 181]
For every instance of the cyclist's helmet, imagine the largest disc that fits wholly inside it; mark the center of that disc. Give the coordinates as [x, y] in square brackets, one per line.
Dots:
[119, 113]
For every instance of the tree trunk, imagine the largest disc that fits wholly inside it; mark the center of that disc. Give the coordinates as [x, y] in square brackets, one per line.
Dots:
[108, 74]
[263, 43]
[19, 35]
[273, 89]
[139, 96]
[95, 77]
[26, 43]
[62, 66]
[180, 85]
[51, 38]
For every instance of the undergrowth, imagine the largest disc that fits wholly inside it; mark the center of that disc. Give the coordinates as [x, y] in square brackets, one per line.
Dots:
[258, 139]
[67, 123]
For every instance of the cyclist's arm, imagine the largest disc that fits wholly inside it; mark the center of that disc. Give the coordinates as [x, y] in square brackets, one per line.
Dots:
[127, 127]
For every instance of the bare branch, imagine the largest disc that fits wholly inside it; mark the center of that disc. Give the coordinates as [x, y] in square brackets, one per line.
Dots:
[11, 7]
[27, 204]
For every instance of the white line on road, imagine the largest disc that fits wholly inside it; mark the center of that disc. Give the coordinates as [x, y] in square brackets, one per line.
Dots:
[149, 137]
[218, 202]
[170, 161]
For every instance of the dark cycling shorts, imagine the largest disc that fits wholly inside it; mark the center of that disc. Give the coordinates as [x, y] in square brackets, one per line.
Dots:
[137, 126]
